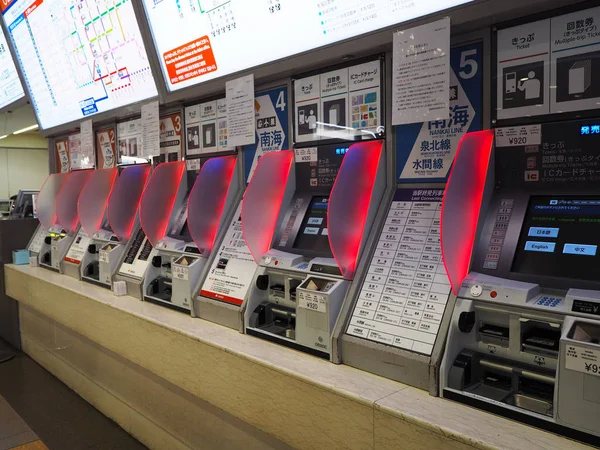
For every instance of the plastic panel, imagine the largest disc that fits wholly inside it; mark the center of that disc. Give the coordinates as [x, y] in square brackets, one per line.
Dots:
[46, 201]
[158, 199]
[66, 202]
[125, 199]
[93, 199]
[462, 203]
[262, 201]
[207, 200]
[349, 203]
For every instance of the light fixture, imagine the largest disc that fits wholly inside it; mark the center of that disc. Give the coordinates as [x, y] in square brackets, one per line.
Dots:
[23, 130]
[2, 137]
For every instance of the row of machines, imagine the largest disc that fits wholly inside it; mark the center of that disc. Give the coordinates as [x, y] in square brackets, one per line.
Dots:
[482, 290]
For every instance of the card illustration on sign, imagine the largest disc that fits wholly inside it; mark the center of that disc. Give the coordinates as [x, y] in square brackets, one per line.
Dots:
[207, 129]
[129, 138]
[78, 59]
[523, 70]
[271, 115]
[340, 104]
[575, 50]
[425, 151]
[549, 66]
[198, 41]
[404, 296]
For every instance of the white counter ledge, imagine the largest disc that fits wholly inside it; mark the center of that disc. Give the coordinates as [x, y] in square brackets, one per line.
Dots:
[301, 400]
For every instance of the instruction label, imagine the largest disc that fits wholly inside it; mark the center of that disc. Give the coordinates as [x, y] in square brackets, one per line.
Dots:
[232, 270]
[312, 301]
[78, 248]
[581, 359]
[404, 296]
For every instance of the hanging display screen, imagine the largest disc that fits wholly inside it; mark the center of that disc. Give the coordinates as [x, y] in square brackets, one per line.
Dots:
[199, 40]
[10, 85]
[78, 58]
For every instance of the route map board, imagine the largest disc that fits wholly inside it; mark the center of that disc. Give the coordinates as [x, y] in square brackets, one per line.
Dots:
[10, 85]
[78, 58]
[199, 40]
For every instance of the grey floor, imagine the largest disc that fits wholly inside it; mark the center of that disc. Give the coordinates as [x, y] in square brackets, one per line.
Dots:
[36, 405]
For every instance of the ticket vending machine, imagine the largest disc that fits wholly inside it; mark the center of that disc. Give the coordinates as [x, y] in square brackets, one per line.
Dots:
[39, 245]
[524, 339]
[63, 232]
[162, 199]
[81, 261]
[307, 263]
[398, 316]
[122, 214]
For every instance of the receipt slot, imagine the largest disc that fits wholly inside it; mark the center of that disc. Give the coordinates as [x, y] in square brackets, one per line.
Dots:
[81, 261]
[305, 268]
[40, 244]
[524, 333]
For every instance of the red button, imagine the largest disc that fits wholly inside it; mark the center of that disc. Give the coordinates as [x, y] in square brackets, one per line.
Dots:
[276, 262]
[493, 294]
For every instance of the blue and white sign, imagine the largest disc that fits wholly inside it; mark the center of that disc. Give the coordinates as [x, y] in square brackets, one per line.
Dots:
[271, 127]
[425, 151]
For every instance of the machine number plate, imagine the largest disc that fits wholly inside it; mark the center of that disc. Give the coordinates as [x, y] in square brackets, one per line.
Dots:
[314, 302]
[583, 359]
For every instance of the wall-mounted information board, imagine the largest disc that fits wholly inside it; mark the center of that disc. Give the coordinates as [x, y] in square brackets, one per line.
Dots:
[78, 58]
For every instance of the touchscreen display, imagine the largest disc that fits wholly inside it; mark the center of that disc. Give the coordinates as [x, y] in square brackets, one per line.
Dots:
[312, 234]
[560, 238]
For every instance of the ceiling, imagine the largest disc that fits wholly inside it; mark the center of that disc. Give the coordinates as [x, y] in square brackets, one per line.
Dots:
[17, 119]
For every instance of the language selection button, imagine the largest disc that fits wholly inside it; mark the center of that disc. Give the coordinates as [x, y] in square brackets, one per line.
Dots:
[535, 246]
[580, 249]
[543, 232]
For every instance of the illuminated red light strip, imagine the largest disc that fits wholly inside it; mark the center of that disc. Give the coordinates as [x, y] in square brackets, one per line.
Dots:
[358, 170]
[277, 180]
[461, 204]
[97, 220]
[229, 163]
[129, 227]
[161, 229]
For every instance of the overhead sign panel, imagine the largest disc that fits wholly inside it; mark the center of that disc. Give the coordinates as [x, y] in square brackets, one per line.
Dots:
[10, 85]
[78, 58]
[200, 40]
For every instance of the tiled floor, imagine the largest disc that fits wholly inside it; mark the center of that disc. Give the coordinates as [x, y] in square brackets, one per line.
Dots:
[35, 406]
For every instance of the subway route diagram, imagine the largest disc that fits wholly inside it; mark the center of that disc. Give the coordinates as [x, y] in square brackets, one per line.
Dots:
[79, 57]
[199, 40]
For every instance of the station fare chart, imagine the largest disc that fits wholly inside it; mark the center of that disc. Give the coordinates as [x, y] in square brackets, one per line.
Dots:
[199, 40]
[79, 58]
[404, 295]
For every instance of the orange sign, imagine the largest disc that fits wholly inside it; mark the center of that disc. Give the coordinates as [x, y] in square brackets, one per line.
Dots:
[191, 60]
[106, 148]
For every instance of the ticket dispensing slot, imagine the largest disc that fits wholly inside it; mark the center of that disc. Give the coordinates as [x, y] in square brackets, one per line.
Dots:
[68, 217]
[305, 270]
[40, 244]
